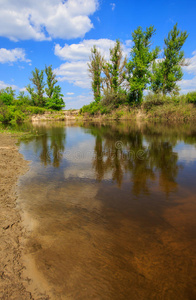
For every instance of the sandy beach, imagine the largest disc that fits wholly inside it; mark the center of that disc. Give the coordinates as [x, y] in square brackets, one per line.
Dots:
[13, 283]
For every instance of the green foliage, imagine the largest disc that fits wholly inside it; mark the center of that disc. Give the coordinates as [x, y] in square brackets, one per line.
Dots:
[35, 110]
[139, 66]
[38, 91]
[6, 98]
[51, 81]
[191, 97]
[54, 98]
[91, 108]
[167, 72]
[152, 100]
[115, 100]
[95, 69]
[56, 101]
[11, 114]
[114, 70]
[22, 100]
[7, 95]
[119, 114]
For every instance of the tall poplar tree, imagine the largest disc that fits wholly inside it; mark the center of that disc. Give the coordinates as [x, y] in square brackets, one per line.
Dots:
[38, 91]
[95, 69]
[114, 70]
[139, 73]
[51, 81]
[168, 71]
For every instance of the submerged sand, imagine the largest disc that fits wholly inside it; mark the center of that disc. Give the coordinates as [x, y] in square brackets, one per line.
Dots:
[13, 283]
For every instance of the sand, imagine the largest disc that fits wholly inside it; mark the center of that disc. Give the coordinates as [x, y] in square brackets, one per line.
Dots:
[13, 283]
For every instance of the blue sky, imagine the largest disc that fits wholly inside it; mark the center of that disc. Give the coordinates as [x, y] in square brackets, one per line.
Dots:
[60, 33]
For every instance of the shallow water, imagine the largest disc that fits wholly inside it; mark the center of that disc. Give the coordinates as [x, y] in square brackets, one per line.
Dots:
[111, 210]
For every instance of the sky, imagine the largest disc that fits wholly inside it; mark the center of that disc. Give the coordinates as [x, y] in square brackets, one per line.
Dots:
[61, 33]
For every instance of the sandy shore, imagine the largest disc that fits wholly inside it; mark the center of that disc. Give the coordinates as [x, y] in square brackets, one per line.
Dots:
[13, 284]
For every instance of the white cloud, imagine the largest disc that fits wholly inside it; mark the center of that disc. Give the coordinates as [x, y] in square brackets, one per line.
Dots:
[191, 68]
[187, 153]
[76, 70]
[78, 101]
[82, 50]
[188, 85]
[3, 85]
[46, 19]
[70, 94]
[10, 56]
[113, 5]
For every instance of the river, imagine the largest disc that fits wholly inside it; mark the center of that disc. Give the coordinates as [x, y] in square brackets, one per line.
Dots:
[110, 210]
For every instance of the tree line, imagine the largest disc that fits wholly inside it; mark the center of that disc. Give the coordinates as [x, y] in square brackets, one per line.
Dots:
[144, 69]
[54, 98]
[42, 94]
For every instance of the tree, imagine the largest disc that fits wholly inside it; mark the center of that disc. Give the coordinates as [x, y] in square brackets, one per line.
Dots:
[115, 69]
[139, 73]
[56, 101]
[95, 69]
[168, 71]
[38, 91]
[51, 81]
[7, 95]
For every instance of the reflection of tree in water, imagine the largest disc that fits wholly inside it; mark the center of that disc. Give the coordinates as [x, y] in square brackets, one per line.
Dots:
[50, 144]
[158, 161]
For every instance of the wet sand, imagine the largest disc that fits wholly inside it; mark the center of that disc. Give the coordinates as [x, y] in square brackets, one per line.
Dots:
[13, 283]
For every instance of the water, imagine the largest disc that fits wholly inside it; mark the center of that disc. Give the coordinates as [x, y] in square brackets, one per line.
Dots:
[111, 209]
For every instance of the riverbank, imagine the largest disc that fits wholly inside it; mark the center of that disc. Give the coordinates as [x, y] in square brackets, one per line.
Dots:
[168, 112]
[13, 284]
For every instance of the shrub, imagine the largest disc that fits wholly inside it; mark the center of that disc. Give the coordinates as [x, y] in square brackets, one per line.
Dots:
[5, 113]
[151, 100]
[191, 97]
[7, 99]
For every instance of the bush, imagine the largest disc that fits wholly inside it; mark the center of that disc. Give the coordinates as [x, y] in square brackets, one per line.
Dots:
[115, 100]
[5, 113]
[35, 110]
[11, 114]
[7, 99]
[191, 97]
[151, 100]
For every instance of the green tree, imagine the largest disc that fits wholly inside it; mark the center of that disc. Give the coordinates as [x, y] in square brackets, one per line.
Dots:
[168, 71]
[7, 95]
[51, 81]
[56, 101]
[95, 69]
[38, 91]
[114, 70]
[139, 73]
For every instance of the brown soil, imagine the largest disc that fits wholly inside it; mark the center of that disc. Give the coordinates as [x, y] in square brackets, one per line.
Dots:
[13, 285]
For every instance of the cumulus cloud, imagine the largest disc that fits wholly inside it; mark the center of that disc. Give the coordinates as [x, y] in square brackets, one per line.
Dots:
[3, 85]
[75, 70]
[82, 50]
[13, 55]
[78, 101]
[191, 68]
[46, 19]
[188, 85]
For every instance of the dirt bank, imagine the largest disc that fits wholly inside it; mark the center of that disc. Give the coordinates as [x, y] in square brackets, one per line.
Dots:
[13, 285]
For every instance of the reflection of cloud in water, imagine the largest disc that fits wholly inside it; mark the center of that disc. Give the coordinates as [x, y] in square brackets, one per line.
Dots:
[83, 171]
[186, 152]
